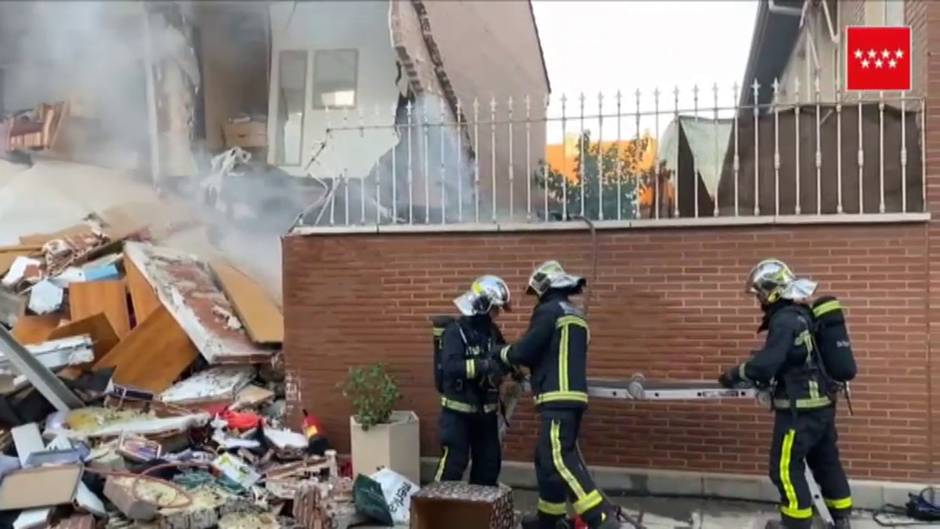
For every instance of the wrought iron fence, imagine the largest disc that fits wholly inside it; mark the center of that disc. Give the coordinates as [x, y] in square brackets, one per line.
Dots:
[630, 157]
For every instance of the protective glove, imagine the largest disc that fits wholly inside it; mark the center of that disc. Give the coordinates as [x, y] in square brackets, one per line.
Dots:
[729, 378]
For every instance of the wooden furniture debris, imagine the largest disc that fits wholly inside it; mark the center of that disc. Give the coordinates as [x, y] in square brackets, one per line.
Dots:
[152, 356]
[88, 299]
[261, 317]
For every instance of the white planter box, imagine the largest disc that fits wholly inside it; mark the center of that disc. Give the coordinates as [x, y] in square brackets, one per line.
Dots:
[396, 446]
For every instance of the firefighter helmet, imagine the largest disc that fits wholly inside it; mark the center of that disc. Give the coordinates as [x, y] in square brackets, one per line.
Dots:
[486, 292]
[771, 280]
[550, 275]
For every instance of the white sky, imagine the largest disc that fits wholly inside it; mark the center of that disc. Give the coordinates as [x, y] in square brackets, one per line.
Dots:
[593, 46]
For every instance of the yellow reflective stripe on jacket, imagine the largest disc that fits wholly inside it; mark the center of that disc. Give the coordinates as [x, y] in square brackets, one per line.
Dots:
[565, 321]
[471, 369]
[463, 407]
[792, 507]
[559, 462]
[561, 396]
[440, 466]
[563, 360]
[813, 390]
[504, 354]
[827, 307]
[803, 404]
[551, 509]
[844, 503]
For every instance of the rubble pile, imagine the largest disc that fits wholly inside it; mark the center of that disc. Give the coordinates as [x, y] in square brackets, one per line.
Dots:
[142, 387]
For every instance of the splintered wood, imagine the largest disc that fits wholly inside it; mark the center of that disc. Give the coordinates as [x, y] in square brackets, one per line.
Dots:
[318, 507]
[187, 290]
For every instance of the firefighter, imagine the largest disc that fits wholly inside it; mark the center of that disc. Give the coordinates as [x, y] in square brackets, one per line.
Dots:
[803, 398]
[469, 426]
[554, 348]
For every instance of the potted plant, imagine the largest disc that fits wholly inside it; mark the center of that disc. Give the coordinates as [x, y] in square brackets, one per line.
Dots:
[380, 436]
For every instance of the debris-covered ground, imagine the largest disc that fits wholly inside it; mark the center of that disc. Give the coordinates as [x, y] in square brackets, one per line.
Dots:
[141, 385]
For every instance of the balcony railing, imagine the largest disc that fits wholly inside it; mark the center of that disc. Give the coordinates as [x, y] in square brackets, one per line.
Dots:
[638, 159]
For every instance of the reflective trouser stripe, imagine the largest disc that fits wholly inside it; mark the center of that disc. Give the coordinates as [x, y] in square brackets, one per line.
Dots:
[504, 354]
[742, 372]
[552, 509]
[841, 504]
[584, 501]
[440, 465]
[566, 474]
[788, 490]
[563, 360]
[813, 390]
[471, 369]
[588, 502]
[792, 508]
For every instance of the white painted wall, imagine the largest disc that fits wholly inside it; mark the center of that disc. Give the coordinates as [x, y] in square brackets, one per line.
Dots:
[332, 25]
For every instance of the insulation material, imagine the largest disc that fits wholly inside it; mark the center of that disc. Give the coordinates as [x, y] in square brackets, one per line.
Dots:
[45, 297]
[260, 316]
[152, 356]
[212, 385]
[186, 289]
[87, 423]
[56, 354]
[108, 297]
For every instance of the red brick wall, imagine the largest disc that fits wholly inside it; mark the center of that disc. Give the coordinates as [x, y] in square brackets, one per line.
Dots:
[666, 302]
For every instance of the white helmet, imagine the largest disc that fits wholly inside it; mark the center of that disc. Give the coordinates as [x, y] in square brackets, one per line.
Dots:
[550, 275]
[771, 280]
[485, 293]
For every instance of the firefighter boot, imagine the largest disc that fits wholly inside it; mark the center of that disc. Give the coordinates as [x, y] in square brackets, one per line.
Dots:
[843, 523]
[541, 521]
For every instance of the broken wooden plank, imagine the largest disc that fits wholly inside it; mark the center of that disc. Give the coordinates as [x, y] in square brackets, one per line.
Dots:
[143, 298]
[35, 329]
[97, 326]
[261, 317]
[8, 254]
[95, 297]
[185, 287]
[152, 356]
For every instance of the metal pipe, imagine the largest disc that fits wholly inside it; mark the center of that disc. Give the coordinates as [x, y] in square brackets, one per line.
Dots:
[458, 156]
[545, 168]
[636, 154]
[839, 208]
[881, 151]
[512, 172]
[600, 156]
[756, 89]
[737, 159]
[476, 159]
[618, 169]
[657, 198]
[582, 155]
[797, 209]
[784, 10]
[426, 154]
[695, 178]
[675, 94]
[861, 160]
[442, 169]
[411, 176]
[818, 154]
[717, 151]
[528, 159]
[903, 158]
[493, 152]
[564, 161]
[776, 88]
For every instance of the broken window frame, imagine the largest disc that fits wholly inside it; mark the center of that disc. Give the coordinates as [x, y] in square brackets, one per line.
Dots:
[316, 102]
[282, 111]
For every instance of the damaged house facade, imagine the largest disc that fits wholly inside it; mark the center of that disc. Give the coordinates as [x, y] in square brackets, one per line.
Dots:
[362, 102]
[841, 187]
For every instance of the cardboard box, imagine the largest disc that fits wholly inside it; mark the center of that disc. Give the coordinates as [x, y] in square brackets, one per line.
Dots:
[395, 446]
[458, 505]
[247, 134]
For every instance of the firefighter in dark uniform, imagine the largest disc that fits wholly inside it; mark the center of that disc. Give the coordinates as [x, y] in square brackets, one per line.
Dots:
[469, 426]
[554, 348]
[803, 399]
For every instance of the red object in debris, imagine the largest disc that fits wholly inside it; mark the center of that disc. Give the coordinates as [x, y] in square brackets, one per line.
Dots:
[312, 426]
[878, 58]
[240, 421]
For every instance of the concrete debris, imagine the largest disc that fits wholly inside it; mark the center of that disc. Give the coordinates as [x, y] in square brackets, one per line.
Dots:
[212, 385]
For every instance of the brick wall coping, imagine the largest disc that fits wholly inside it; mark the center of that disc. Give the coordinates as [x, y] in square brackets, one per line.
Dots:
[853, 218]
